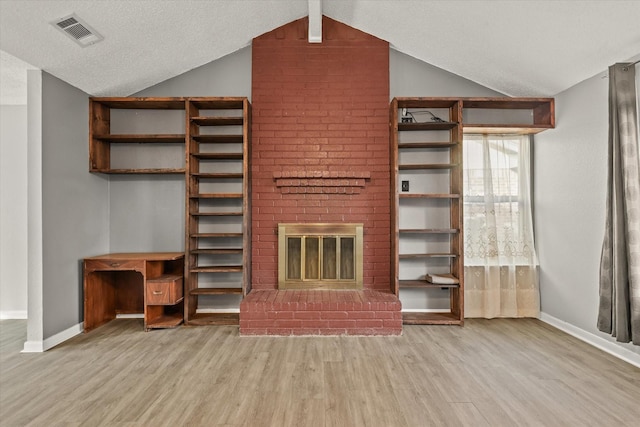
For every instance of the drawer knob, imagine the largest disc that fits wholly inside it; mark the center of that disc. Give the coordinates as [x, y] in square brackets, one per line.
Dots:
[115, 264]
[157, 292]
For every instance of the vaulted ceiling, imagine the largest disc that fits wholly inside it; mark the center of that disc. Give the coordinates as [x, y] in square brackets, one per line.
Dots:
[518, 47]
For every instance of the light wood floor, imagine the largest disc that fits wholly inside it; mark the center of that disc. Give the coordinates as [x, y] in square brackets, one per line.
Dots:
[488, 373]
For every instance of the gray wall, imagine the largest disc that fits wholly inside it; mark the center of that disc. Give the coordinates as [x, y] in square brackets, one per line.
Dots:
[13, 211]
[147, 211]
[411, 77]
[75, 207]
[570, 189]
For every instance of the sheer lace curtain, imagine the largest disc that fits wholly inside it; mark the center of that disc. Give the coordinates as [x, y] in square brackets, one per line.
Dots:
[501, 275]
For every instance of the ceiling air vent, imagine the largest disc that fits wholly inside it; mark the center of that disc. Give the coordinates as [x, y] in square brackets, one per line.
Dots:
[77, 30]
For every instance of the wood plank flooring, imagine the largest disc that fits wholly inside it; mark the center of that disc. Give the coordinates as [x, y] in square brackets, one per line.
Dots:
[488, 373]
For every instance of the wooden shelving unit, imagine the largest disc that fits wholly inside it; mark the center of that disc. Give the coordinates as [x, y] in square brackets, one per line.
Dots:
[217, 201]
[101, 137]
[416, 140]
[214, 157]
[432, 148]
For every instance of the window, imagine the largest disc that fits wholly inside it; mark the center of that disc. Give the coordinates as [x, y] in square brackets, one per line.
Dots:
[497, 200]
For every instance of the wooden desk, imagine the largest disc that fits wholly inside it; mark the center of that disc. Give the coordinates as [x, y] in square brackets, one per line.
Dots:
[128, 283]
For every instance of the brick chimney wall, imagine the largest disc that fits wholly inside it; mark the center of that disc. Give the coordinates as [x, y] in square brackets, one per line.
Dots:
[320, 141]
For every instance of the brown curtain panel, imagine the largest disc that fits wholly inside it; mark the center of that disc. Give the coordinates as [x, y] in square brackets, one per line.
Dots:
[619, 311]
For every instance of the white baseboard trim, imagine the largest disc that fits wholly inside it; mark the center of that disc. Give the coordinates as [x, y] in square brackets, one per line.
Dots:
[425, 310]
[49, 343]
[13, 315]
[603, 344]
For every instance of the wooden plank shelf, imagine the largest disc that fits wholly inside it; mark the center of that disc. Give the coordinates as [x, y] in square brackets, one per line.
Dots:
[218, 139]
[410, 145]
[214, 235]
[428, 196]
[217, 121]
[428, 166]
[141, 171]
[218, 103]
[217, 269]
[428, 230]
[216, 291]
[216, 213]
[427, 255]
[426, 126]
[431, 318]
[166, 321]
[216, 196]
[133, 103]
[217, 251]
[511, 129]
[425, 285]
[140, 138]
[217, 156]
[209, 175]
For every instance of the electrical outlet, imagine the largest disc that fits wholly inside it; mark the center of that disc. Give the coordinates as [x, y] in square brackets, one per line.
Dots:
[405, 185]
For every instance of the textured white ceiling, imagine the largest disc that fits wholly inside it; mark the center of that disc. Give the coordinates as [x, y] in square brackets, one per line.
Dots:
[521, 48]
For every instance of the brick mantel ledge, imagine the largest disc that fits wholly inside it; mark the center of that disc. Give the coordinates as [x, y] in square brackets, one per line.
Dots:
[335, 182]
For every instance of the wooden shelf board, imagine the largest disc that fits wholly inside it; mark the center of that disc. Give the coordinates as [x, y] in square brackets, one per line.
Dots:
[426, 126]
[217, 196]
[217, 251]
[226, 103]
[217, 269]
[427, 255]
[166, 321]
[209, 235]
[217, 175]
[141, 171]
[505, 129]
[217, 121]
[426, 144]
[216, 214]
[428, 166]
[204, 319]
[505, 103]
[431, 319]
[218, 139]
[428, 231]
[424, 284]
[216, 291]
[217, 156]
[140, 138]
[132, 103]
[420, 102]
[428, 196]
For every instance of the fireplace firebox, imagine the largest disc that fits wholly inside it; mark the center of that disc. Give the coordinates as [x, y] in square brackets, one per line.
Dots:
[320, 256]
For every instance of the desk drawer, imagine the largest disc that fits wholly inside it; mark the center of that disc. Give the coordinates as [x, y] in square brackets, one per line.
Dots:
[114, 265]
[164, 290]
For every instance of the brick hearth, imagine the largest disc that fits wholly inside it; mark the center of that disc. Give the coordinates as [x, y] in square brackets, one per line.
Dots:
[274, 312]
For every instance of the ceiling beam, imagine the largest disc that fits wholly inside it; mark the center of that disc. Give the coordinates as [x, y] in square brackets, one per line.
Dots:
[315, 21]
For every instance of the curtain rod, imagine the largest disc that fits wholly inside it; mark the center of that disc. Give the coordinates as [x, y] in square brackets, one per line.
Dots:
[631, 64]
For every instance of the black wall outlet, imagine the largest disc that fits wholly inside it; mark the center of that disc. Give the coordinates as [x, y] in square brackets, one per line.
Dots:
[405, 185]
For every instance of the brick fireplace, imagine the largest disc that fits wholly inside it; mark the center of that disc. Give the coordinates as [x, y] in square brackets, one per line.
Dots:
[320, 154]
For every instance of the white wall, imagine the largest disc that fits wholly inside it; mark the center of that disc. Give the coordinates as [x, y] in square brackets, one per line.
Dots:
[569, 191]
[13, 211]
